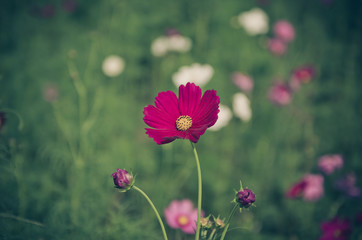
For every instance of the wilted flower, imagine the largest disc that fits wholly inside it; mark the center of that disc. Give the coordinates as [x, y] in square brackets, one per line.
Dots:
[2, 119]
[173, 41]
[277, 46]
[219, 223]
[310, 187]
[254, 21]
[185, 117]
[113, 66]
[205, 222]
[123, 179]
[50, 93]
[242, 81]
[224, 118]
[329, 163]
[182, 215]
[241, 107]
[245, 198]
[284, 31]
[336, 229]
[347, 185]
[196, 73]
[280, 94]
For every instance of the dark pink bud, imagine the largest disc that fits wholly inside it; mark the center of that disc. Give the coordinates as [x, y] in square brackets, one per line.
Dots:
[123, 179]
[245, 198]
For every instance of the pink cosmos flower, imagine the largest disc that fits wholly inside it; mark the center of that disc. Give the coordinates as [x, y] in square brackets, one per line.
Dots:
[186, 117]
[336, 229]
[310, 187]
[284, 31]
[182, 215]
[242, 81]
[303, 74]
[277, 46]
[280, 94]
[329, 163]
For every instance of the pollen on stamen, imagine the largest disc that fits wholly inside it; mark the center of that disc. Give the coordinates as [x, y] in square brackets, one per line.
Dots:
[183, 123]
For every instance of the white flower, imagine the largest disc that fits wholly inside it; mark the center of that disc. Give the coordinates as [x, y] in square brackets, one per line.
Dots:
[113, 66]
[196, 73]
[179, 43]
[254, 21]
[176, 43]
[159, 46]
[224, 118]
[241, 107]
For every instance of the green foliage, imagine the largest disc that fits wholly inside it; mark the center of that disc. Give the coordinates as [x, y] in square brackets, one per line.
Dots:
[55, 171]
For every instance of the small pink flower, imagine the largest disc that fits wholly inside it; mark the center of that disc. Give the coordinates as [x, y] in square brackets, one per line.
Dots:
[310, 187]
[277, 46]
[336, 229]
[182, 215]
[303, 74]
[186, 117]
[348, 186]
[284, 31]
[280, 94]
[242, 81]
[329, 163]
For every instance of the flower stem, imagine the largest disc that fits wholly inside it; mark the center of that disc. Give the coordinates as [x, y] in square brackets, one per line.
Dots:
[199, 198]
[154, 209]
[228, 221]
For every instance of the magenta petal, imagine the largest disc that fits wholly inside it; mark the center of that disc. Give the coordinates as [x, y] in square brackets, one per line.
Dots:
[157, 118]
[208, 110]
[168, 103]
[189, 98]
[162, 136]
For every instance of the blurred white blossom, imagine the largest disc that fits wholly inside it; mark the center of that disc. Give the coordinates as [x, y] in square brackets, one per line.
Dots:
[254, 21]
[176, 43]
[196, 73]
[113, 66]
[241, 107]
[224, 118]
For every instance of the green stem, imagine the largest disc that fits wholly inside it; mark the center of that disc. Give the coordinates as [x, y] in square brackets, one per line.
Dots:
[212, 234]
[154, 209]
[228, 221]
[199, 198]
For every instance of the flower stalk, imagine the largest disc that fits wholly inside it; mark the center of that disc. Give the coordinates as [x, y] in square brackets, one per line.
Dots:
[154, 209]
[199, 198]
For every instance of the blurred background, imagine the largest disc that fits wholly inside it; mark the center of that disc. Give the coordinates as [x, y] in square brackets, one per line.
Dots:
[75, 76]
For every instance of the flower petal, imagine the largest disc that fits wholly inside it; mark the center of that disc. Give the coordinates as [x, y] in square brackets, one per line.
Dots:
[162, 136]
[206, 114]
[168, 103]
[189, 98]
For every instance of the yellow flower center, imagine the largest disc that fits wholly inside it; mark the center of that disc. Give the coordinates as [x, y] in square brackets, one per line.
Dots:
[183, 220]
[183, 123]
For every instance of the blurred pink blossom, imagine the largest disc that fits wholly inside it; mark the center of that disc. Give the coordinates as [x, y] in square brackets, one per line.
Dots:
[329, 163]
[301, 75]
[347, 185]
[280, 94]
[335, 229]
[69, 5]
[182, 215]
[310, 187]
[242, 81]
[277, 46]
[284, 31]
[50, 92]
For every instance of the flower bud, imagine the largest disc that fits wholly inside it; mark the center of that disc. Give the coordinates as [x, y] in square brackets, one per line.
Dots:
[123, 180]
[245, 198]
[205, 222]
